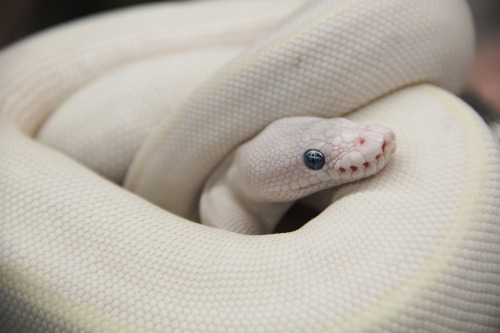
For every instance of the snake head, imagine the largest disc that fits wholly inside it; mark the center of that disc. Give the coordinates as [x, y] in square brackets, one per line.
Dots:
[297, 156]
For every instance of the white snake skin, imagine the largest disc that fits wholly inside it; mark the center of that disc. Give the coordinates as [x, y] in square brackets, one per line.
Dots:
[155, 97]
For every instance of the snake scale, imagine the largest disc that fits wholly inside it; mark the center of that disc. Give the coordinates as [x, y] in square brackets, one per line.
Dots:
[110, 126]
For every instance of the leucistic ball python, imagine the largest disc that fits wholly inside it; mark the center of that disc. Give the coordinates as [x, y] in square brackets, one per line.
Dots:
[110, 126]
[290, 159]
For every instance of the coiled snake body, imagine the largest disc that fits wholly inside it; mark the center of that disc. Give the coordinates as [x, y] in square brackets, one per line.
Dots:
[154, 98]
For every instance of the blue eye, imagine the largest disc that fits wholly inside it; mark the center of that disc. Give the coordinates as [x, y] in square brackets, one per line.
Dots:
[314, 159]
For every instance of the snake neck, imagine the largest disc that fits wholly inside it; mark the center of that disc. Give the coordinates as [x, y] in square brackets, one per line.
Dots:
[225, 204]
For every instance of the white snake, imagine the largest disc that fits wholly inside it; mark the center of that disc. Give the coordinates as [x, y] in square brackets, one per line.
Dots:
[155, 97]
[291, 158]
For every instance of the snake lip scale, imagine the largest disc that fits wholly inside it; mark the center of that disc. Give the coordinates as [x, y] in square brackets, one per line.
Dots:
[358, 169]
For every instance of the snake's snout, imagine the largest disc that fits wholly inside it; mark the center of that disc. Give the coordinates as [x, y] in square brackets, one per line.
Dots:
[370, 153]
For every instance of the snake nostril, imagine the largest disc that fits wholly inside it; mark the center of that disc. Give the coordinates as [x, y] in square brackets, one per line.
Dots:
[361, 141]
[342, 170]
[353, 168]
[366, 164]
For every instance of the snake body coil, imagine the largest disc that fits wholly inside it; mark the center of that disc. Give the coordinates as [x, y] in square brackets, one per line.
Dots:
[153, 98]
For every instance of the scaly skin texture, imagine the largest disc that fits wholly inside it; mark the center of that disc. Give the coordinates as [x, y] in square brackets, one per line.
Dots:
[414, 249]
[252, 189]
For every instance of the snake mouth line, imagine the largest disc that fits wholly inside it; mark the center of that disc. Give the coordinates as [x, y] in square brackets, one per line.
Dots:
[365, 165]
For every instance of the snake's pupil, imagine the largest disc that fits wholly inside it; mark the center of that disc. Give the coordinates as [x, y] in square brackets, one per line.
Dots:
[314, 159]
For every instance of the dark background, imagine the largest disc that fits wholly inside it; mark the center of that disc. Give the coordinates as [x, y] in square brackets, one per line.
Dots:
[23, 17]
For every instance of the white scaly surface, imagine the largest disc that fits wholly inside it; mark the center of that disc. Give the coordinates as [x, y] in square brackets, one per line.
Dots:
[331, 58]
[415, 248]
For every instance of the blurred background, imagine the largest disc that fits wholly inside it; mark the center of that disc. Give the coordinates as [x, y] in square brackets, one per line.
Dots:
[19, 18]
[483, 83]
